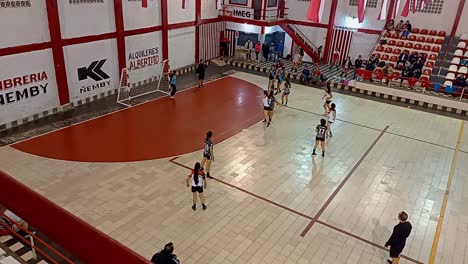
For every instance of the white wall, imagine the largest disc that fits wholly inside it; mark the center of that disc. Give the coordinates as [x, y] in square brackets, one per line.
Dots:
[298, 10]
[24, 25]
[361, 44]
[443, 21]
[177, 15]
[208, 9]
[143, 52]
[345, 13]
[82, 55]
[181, 47]
[21, 65]
[462, 28]
[318, 36]
[137, 17]
[243, 27]
[77, 20]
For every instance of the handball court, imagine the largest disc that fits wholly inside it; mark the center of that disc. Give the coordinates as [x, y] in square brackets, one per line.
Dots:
[271, 202]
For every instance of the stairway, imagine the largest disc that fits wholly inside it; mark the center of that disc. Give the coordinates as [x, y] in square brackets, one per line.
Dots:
[442, 64]
[301, 40]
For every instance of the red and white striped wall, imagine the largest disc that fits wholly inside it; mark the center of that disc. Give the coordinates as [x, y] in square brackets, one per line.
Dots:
[230, 34]
[209, 40]
[341, 40]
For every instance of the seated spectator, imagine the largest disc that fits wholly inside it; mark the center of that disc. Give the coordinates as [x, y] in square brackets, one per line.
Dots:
[422, 58]
[390, 26]
[399, 27]
[358, 62]
[387, 71]
[372, 63]
[14, 222]
[461, 80]
[417, 72]
[407, 27]
[413, 58]
[402, 59]
[165, 256]
[406, 74]
[347, 64]
[316, 76]
[305, 75]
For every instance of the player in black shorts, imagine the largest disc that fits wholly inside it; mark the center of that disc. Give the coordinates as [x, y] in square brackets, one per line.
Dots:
[198, 183]
[328, 97]
[286, 92]
[320, 137]
[208, 155]
[201, 69]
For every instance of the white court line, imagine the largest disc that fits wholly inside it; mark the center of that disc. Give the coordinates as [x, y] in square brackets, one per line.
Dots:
[97, 117]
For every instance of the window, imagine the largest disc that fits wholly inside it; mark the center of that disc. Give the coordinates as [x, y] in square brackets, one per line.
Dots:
[370, 3]
[238, 2]
[433, 8]
[272, 3]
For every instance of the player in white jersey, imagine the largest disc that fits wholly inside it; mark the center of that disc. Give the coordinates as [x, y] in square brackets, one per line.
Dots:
[196, 179]
[331, 118]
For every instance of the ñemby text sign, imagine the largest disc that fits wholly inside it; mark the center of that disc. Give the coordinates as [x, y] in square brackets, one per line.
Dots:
[92, 68]
[27, 89]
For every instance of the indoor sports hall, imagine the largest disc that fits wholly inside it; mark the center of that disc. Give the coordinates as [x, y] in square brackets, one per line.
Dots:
[185, 131]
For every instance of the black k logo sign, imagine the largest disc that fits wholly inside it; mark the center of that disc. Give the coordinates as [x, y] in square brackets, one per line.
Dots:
[93, 71]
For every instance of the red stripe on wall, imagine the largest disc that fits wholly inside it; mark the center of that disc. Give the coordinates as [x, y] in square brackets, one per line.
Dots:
[209, 40]
[25, 48]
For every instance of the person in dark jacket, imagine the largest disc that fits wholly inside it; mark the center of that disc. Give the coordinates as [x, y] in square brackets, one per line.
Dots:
[165, 256]
[397, 240]
[265, 50]
[201, 69]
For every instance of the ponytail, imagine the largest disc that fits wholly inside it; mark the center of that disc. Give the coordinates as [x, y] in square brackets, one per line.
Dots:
[195, 173]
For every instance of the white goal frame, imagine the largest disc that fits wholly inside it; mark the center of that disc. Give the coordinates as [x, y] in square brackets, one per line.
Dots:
[124, 92]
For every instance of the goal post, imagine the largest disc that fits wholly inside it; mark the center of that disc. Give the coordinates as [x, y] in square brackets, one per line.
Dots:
[136, 83]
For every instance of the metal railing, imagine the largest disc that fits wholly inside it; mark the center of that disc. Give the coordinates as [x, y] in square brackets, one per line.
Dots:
[376, 43]
[31, 241]
[302, 36]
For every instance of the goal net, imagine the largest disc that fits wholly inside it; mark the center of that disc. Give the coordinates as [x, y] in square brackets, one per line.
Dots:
[135, 83]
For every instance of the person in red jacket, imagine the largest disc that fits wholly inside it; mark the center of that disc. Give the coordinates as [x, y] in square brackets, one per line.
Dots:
[258, 48]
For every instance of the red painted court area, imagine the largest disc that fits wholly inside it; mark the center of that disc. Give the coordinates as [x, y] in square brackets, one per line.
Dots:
[158, 129]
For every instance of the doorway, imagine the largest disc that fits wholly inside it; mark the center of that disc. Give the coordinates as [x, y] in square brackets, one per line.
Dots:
[257, 6]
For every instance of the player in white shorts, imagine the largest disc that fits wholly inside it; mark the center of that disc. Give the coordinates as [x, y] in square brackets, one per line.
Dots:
[331, 118]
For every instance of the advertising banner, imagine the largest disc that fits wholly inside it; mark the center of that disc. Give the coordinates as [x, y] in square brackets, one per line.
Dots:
[27, 85]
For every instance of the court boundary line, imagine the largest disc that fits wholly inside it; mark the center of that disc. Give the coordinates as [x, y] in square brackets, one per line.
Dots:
[440, 222]
[112, 112]
[339, 230]
[342, 183]
[377, 129]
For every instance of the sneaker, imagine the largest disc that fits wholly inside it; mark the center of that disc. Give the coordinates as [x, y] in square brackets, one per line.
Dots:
[194, 207]
[264, 121]
[389, 261]
[209, 176]
[323, 155]
[268, 124]
[313, 153]
[204, 207]
[331, 135]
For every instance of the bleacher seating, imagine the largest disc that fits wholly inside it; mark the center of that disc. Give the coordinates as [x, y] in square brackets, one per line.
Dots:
[456, 67]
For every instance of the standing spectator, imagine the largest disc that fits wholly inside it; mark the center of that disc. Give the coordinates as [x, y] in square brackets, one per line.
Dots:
[165, 256]
[301, 54]
[399, 27]
[258, 48]
[347, 64]
[265, 50]
[249, 46]
[201, 70]
[305, 75]
[335, 59]
[280, 48]
[397, 240]
[319, 52]
[172, 83]
[296, 61]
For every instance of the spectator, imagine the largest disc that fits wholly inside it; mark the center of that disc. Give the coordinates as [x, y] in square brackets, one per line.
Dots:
[335, 59]
[390, 26]
[347, 64]
[422, 58]
[413, 58]
[165, 256]
[358, 62]
[461, 80]
[258, 48]
[316, 75]
[402, 59]
[387, 71]
[372, 63]
[301, 54]
[280, 48]
[406, 74]
[249, 46]
[305, 76]
[296, 61]
[399, 27]
[4, 222]
[280, 65]
[319, 52]
[265, 50]
[417, 72]
[407, 27]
